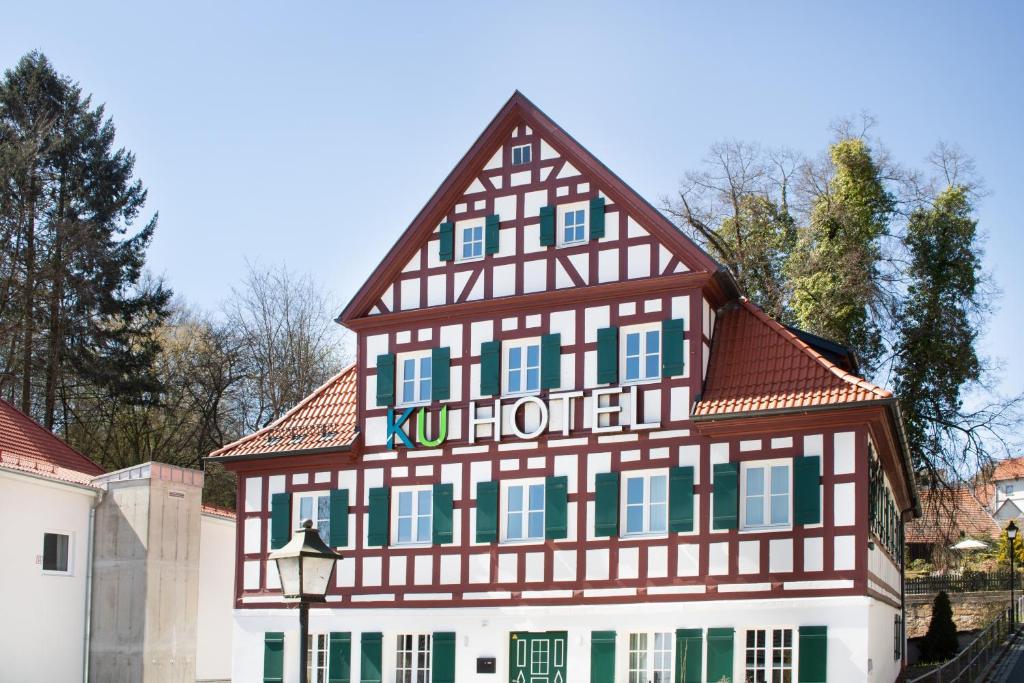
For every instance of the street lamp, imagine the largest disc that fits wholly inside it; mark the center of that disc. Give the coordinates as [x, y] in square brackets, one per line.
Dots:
[1011, 533]
[305, 565]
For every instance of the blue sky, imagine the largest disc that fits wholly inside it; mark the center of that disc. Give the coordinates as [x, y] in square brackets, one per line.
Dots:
[311, 133]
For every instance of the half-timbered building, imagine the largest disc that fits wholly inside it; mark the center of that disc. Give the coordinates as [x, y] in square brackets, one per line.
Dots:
[569, 450]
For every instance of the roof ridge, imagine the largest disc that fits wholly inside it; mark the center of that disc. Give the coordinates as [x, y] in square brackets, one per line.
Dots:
[24, 417]
[806, 348]
[291, 411]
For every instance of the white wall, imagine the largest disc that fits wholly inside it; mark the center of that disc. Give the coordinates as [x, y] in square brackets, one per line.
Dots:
[42, 633]
[884, 667]
[483, 632]
[216, 598]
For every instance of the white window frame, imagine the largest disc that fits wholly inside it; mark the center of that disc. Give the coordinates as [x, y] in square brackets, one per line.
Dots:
[642, 330]
[416, 515]
[70, 571]
[647, 671]
[525, 484]
[506, 366]
[646, 475]
[769, 650]
[400, 378]
[409, 674]
[460, 239]
[529, 151]
[318, 643]
[766, 503]
[563, 211]
[298, 496]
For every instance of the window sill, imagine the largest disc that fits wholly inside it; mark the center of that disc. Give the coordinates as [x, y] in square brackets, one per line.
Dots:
[639, 382]
[643, 536]
[567, 245]
[417, 404]
[520, 394]
[522, 541]
[411, 546]
[765, 529]
[54, 572]
[469, 259]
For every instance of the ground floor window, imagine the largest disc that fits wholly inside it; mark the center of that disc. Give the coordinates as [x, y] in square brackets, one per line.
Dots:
[650, 658]
[413, 658]
[55, 552]
[769, 656]
[316, 657]
[897, 637]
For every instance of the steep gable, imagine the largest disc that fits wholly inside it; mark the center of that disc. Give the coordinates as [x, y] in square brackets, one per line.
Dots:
[497, 179]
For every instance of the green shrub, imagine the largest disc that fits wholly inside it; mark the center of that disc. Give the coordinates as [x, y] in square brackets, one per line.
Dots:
[940, 643]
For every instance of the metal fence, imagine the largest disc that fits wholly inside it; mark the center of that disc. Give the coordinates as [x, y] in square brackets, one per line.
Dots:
[966, 582]
[978, 656]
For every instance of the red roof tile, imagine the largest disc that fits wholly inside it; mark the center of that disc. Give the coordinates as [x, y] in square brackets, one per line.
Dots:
[324, 419]
[27, 447]
[757, 364]
[218, 511]
[949, 513]
[1011, 468]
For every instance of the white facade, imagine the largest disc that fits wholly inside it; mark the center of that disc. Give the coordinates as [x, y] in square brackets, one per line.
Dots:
[216, 578]
[42, 636]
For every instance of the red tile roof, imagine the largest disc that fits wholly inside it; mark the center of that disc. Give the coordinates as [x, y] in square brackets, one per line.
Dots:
[949, 513]
[27, 447]
[757, 364]
[1011, 468]
[218, 511]
[323, 420]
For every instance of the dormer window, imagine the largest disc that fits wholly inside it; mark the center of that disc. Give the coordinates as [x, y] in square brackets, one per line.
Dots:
[521, 154]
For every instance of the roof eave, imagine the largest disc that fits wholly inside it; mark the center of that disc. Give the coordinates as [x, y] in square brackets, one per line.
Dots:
[267, 455]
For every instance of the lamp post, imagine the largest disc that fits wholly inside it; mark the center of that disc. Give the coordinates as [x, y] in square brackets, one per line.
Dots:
[1011, 534]
[305, 565]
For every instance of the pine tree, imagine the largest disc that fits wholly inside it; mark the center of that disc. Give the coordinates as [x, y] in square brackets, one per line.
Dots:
[940, 642]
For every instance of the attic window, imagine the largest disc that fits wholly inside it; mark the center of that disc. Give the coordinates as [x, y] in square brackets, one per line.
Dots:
[521, 154]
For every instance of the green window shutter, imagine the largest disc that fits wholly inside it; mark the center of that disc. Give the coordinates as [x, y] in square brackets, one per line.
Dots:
[490, 368]
[720, 654]
[273, 657]
[689, 653]
[370, 658]
[807, 489]
[442, 665]
[813, 662]
[680, 499]
[280, 519]
[386, 379]
[672, 358]
[486, 512]
[596, 218]
[551, 361]
[377, 532]
[726, 496]
[339, 518]
[491, 234]
[556, 507]
[606, 504]
[442, 513]
[447, 252]
[339, 658]
[441, 372]
[602, 657]
[547, 226]
[608, 355]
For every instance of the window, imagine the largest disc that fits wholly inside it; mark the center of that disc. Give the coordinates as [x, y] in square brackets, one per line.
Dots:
[415, 377]
[897, 637]
[641, 359]
[472, 242]
[572, 226]
[316, 507]
[650, 658]
[414, 516]
[55, 552]
[524, 511]
[646, 503]
[521, 154]
[769, 661]
[522, 363]
[766, 494]
[317, 658]
[412, 664]
[1009, 489]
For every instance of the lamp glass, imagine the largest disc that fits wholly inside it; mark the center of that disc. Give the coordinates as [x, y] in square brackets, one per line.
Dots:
[290, 571]
[1011, 531]
[316, 573]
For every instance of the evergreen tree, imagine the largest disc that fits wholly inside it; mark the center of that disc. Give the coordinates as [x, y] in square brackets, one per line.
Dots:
[73, 306]
[940, 642]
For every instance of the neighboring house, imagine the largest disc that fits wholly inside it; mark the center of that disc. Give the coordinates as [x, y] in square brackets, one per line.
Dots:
[569, 451]
[948, 515]
[124, 575]
[1008, 496]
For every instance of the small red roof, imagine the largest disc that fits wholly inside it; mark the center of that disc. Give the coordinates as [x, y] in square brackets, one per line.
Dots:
[218, 511]
[27, 447]
[1011, 468]
[757, 364]
[949, 513]
[323, 420]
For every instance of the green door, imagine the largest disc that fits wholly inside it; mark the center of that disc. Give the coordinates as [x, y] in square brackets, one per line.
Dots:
[537, 657]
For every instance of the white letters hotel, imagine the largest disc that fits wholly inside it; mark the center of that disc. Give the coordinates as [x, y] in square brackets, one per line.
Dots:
[569, 450]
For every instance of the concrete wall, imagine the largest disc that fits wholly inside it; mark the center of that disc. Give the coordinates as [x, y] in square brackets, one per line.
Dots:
[216, 598]
[43, 629]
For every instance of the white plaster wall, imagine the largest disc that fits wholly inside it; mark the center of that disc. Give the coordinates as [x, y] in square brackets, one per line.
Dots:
[42, 633]
[484, 632]
[884, 667]
[216, 598]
